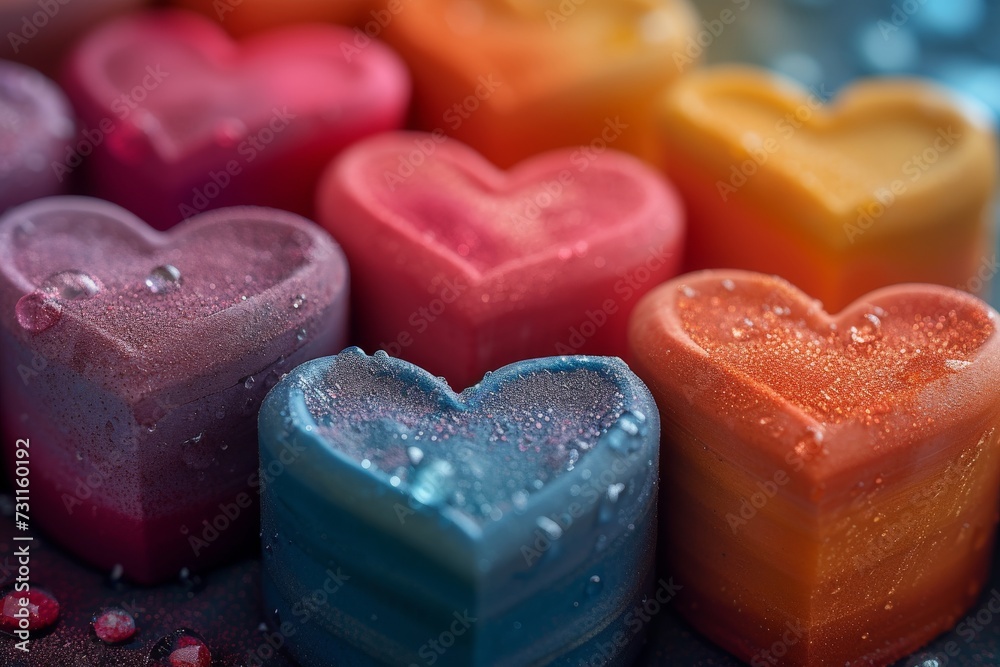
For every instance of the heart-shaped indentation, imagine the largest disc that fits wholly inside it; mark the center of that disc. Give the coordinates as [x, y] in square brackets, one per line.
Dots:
[889, 184]
[517, 259]
[139, 358]
[36, 126]
[514, 78]
[796, 441]
[174, 102]
[515, 499]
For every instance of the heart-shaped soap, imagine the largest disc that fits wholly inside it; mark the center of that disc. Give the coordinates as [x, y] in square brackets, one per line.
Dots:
[461, 268]
[182, 119]
[517, 517]
[830, 482]
[36, 127]
[240, 17]
[890, 184]
[135, 363]
[514, 78]
[39, 32]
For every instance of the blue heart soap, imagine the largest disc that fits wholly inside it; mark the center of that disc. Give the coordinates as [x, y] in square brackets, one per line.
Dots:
[510, 525]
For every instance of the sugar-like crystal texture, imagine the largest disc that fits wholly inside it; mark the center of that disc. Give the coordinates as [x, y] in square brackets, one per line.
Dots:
[136, 362]
[516, 517]
[36, 129]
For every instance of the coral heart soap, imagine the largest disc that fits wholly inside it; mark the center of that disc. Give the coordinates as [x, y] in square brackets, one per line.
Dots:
[513, 78]
[246, 16]
[830, 483]
[461, 268]
[182, 119]
[36, 129]
[890, 184]
[135, 363]
[516, 519]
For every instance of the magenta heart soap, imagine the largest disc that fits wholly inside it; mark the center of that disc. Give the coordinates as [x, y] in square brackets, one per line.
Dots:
[36, 127]
[135, 362]
[181, 119]
[462, 268]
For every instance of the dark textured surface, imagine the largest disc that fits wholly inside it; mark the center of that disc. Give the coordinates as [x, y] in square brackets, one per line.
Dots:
[224, 607]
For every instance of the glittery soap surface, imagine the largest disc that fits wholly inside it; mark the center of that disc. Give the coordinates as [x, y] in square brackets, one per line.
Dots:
[853, 367]
[489, 218]
[484, 455]
[89, 281]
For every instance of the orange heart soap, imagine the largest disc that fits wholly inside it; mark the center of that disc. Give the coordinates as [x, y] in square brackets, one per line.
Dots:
[892, 183]
[830, 483]
[242, 17]
[513, 78]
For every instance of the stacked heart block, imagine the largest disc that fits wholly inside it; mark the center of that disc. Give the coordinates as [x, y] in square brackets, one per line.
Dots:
[830, 484]
[136, 361]
[425, 514]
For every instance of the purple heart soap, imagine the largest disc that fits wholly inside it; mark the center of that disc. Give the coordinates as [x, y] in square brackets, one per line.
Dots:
[512, 524]
[135, 361]
[36, 126]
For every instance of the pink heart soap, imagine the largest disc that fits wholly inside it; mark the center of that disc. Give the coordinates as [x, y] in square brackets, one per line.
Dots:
[461, 268]
[36, 126]
[182, 119]
[135, 362]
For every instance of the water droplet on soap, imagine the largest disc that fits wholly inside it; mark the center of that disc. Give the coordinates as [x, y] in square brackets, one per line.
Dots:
[300, 335]
[593, 587]
[163, 279]
[37, 312]
[552, 529]
[181, 648]
[520, 500]
[42, 609]
[625, 437]
[415, 455]
[113, 626]
[248, 382]
[433, 482]
[298, 301]
[71, 286]
[956, 364]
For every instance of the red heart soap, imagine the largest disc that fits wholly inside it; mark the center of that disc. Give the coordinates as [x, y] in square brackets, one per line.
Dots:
[461, 268]
[180, 118]
[135, 363]
[830, 482]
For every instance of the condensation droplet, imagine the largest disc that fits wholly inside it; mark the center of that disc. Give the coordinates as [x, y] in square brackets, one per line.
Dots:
[163, 279]
[71, 286]
[37, 312]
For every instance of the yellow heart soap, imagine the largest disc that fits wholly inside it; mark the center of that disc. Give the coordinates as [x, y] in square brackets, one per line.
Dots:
[891, 183]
